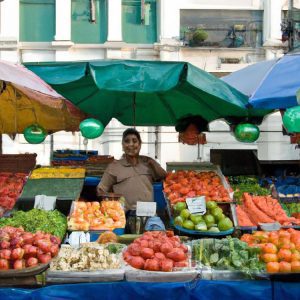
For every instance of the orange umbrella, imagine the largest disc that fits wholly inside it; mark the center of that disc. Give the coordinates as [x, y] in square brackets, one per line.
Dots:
[25, 99]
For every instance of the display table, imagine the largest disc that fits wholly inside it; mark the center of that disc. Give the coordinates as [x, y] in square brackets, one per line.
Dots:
[198, 289]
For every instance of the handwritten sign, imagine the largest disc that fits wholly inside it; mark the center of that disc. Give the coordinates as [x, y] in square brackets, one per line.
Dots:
[196, 205]
[145, 209]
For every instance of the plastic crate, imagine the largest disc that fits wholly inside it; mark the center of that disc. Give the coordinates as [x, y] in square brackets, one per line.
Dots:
[17, 163]
[159, 197]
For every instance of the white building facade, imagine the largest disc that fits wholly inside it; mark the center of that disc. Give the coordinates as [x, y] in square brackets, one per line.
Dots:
[236, 34]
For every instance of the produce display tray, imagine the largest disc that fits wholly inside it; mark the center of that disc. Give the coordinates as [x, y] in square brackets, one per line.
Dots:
[203, 233]
[229, 210]
[212, 274]
[136, 275]
[63, 189]
[84, 276]
[31, 271]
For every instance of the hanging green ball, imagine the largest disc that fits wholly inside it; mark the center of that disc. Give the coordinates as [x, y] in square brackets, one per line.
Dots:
[291, 119]
[91, 128]
[246, 132]
[34, 134]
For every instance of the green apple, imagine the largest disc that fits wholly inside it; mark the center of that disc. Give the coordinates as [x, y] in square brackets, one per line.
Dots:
[178, 221]
[225, 224]
[188, 224]
[211, 205]
[179, 206]
[209, 220]
[185, 213]
[196, 218]
[201, 226]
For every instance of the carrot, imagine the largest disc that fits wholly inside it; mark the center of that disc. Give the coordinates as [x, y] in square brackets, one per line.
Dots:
[243, 218]
[254, 212]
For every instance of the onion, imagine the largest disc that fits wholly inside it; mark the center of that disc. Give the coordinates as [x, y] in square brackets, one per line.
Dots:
[4, 265]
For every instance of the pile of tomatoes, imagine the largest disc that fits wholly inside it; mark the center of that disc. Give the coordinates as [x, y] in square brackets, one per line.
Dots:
[182, 184]
[280, 250]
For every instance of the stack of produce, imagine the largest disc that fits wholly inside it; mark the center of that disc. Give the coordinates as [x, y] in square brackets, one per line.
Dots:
[227, 254]
[53, 222]
[57, 172]
[262, 209]
[89, 257]
[105, 215]
[214, 220]
[246, 184]
[182, 184]
[280, 249]
[20, 249]
[11, 185]
[157, 251]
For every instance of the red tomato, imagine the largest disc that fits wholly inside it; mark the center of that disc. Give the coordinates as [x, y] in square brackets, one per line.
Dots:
[284, 267]
[285, 255]
[295, 256]
[269, 257]
[295, 266]
[272, 267]
[269, 248]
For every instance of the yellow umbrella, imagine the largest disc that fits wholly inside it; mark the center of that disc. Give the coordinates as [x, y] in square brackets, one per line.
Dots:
[25, 99]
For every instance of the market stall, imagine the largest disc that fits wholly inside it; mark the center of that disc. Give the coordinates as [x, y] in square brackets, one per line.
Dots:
[223, 237]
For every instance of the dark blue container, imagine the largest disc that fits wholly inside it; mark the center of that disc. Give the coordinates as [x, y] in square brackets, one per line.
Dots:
[159, 197]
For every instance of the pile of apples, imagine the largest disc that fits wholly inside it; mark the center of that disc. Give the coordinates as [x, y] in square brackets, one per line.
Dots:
[20, 249]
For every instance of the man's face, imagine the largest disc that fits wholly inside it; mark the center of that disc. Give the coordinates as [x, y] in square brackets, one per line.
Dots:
[131, 145]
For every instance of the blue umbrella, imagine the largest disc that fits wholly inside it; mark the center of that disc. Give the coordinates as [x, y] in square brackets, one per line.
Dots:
[269, 84]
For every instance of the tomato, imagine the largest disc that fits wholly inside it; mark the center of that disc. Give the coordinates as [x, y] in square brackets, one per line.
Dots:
[269, 257]
[284, 234]
[295, 256]
[295, 266]
[284, 267]
[285, 255]
[269, 248]
[290, 246]
[272, 267]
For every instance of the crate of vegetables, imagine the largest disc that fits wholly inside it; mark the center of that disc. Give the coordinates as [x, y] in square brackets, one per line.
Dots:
[97, 216]
[91, 262]
[256, 210]
[158, 257]
[280, 252]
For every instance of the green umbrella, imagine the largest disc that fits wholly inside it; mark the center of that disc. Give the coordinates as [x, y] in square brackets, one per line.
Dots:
[145, 93]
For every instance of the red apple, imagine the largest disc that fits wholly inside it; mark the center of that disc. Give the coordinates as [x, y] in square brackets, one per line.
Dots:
[4, 265]
[5, 253]
[17, 253]
[19, 264]
[32, 261]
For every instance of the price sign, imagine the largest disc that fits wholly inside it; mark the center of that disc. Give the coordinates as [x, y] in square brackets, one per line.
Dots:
[44, 202]
[196, 205]
[145, 209]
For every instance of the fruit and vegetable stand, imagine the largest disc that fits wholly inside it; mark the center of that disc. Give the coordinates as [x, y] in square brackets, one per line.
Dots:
[224, 252]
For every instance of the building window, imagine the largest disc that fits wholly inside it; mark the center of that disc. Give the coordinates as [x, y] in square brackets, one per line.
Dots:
[37, 20]
[139, 21]
[221, 28]
[89, 21]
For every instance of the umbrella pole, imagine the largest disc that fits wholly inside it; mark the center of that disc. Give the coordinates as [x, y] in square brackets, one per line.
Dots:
[51, 147]
[134, 108]
[1, 143]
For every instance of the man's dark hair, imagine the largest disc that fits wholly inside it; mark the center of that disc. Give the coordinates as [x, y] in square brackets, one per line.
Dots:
[133, 131]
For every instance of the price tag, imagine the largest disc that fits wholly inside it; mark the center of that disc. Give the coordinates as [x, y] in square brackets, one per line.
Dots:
[145, 209]
[196, 205]
[45, 202]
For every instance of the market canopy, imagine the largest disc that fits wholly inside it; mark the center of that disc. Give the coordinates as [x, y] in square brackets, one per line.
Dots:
[271, 84]
[144, 93]
[25, 99]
